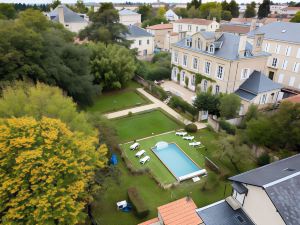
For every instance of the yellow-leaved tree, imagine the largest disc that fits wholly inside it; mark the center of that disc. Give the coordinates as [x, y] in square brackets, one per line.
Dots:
[46, 171]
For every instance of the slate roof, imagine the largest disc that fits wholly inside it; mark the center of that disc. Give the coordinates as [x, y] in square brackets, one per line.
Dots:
[286, 198]
[229, 49]
[135, 31]
[124, 12]
[258, 83]
[274, 31]
[221, 213]
[69, 15]
[245, 95]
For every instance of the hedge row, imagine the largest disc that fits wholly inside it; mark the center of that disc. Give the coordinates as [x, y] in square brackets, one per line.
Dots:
[179, 103]
[138, 203]
[229, 128]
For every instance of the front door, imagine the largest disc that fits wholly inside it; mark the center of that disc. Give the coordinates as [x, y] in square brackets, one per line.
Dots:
[271, 75]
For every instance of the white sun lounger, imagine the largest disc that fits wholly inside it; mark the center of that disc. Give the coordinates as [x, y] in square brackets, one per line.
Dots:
[140, 153]
[134, 146]
[145, 159]
[181, 133]
[194, 144]
[188, 138]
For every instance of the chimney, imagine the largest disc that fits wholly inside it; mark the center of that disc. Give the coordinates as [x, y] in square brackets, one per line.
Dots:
[257, 43]
[242, 44]
[61, 16]
[253, 24]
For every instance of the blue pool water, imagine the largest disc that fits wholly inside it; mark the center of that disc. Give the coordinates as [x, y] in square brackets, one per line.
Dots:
[176, 160]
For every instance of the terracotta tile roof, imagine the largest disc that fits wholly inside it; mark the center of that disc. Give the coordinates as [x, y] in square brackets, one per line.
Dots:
[149, 222]
[174, 34]
[291, 8]
[194, 21]
[293, 99]
[235, 28]
[241, 20]
[180, 212]
[161, 26]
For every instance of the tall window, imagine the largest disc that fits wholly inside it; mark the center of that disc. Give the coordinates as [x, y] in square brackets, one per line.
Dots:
[140, 42]
[267, 47]
[148, 42]
[298, 53]
[174, 73]
[184, 61]
[207, 68]
[211, 48]
[288, 51]
[195, 64]
[199, 44]
[291, 81]
[259, 41]
[263, 99]
[217, 89]
[193, 80]
[277, 50]
[220, 72]
[284, 64]
[182, 76]
[280, 78]
[189, 27]
[189, 42]
[180, 27]
[274, 62]
[296, 67]
[197, 29]
[205, 85]
[245, 73]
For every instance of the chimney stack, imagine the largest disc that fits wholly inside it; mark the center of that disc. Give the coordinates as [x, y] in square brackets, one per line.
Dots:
[61, 16]
[242, 44]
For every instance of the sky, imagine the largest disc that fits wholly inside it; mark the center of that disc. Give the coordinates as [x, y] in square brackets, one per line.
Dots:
[120, 1]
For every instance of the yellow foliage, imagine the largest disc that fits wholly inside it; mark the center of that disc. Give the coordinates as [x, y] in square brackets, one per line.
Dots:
[46, 171]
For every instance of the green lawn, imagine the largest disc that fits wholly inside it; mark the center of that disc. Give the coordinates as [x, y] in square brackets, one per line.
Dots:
[118, 100]
[143, 125]
[155, 165]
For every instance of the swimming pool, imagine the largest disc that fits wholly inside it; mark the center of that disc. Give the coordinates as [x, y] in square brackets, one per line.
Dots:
[177, 162]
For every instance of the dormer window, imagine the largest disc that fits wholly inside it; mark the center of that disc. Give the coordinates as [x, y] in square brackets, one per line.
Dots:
[189, 42]
[211, 49]
[259, 41]
[199, 44]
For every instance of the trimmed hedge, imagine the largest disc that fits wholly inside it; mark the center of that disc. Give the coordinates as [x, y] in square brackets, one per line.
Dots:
[230, 129]
[179, 103]
[157, 91]
[192, 128]
[138, 203]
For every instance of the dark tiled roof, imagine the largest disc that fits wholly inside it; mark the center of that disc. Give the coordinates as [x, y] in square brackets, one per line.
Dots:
[222, 214]
[245, 95]
[135, 31]
[282, 31]
[69, 15]
[270, 173]
[286, 198]
[259, 83]
[239, 187]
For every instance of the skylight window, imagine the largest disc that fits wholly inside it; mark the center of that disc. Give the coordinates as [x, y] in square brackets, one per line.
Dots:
[240, 219]
[283, 31]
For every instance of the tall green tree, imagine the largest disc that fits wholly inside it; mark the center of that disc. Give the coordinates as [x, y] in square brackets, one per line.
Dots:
[250, 11]
[296, 18]
[264, 9]
[225, 5]
[146, 11]
[80, 7]
[194, 12]
[105, 26]
[112, 66]
[229, 105]
[205, 101]
[194, 3]
[55, 3]
[234, 9]
[206, 8]
[182, 12]
[7, 11]
[226, 15]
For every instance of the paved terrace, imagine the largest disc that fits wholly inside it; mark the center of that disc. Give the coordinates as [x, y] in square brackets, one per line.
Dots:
[156, 104]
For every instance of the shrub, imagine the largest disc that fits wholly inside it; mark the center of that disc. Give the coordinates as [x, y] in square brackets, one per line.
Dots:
[158, 92]
[191, 128]
[179, 103]
[138, 203]
[158, 73]
[264, 159]
[230, 129]
[129, 113]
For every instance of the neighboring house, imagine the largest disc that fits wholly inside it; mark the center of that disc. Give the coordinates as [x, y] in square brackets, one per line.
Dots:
[262, 196]
[290, 11]
[129, 17]
[225, 59]
[171, 15]
[142, 40]
[258, 89]
[69, 19]
[238, 28]
[276, 9]
[180, 212]
[160, 32]
[281, 40]
[187, 27]
[293, 99]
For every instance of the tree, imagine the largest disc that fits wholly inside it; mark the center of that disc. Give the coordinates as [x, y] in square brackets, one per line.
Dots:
[80, 7]
[215, 14]
[229, 106]
[153, 21]
[7, 11]
[226, 15]
[250, 11]
[296, 18]
[205, 101]
[194, 3]
[106, 26]
[182, 12]
[146, 11]
[225, 6]
[161, 12]
[194, 12]
[264, 9]
[112, 66]
[37, 101]
[55, 3]
[205, 9]
[47, 171]
[234, 9]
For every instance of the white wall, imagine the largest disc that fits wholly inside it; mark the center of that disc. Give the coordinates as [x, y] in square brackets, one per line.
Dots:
[141, 44]
[194, 27]
[130, 19]
[75, 27]
[258, 206]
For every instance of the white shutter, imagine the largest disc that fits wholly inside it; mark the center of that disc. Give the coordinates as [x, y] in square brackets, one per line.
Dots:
[298, 53]
[288, 51]
[280, 78]
[297, 67]
[292, 81]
